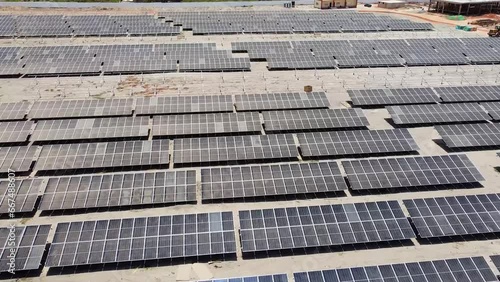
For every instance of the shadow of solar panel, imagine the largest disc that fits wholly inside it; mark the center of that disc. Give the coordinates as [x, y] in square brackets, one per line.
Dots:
[13, 111]
[24, 196]
[119, 189]
[342, 143]
[277, 101]
[451, 216]
[469, 93]
[144, 238]
[268, 180]
[198, 124]
[493, 108]
[410, 172]
[304, 120]
[184, 104]
[262, 278]
[439, 113]
[30, 243]
[496, 261]
[382, 97]
[470, 135]
[17, 159]
[234, 148]
[452, 270]
[95, 128]
[15, 131]
[81, 108]
[103, 155]
[313, 226]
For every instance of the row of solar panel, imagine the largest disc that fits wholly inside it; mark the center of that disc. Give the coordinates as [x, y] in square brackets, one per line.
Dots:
[208, 234]
[180, 125]
[236, 182]
[424, 95]
[161, 105]
[207, 150]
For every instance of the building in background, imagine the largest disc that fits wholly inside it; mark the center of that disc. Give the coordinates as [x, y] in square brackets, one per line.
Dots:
[465, 7]
[328, 4]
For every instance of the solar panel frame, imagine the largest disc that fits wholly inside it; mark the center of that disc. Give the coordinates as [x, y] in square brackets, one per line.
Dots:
[81, 108]
[496, 261]
[303, 120]
[276, 101]
[138, 239]
[119, 190]
[383, 97]
[410, 172]
[183, 104]
[270, 180]
[469, 93]
[493, 109]
[345, 143]
[454, 216]
[314, 226]
[19, 195]
[470, 135]
[14, 111]
[15, 131]
[261, 278]
[17, 159]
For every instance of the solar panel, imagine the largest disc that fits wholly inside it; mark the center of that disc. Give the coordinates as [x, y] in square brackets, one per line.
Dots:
[15, 131]
[471, 269]
[496, 261]
[119, 189]
[13, 111]
[470, 135]
[183, 104]
[268, 180]
[234, 148]
[410, 172]
[143, 238]
[30, 243]
[493, 108]
[81, 108]
[460, 215]
[313, 226]
[17, 159]
[93, 128]
[342, 143]
[438, 113]
[22, 195]
[103, 155]
[277, 101]
[314, 119]
[262, 278]
[198, 124]
[382, 97]
[469, 93]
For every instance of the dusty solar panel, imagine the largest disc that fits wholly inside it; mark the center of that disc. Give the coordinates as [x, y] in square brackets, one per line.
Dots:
[103, 155]
[16, 159]
[234, 148]
[15, 131]
[119, 189]
[81, 108]
[30, 243]
[314, 119]
[460, 215]
[496, 261]
[13, 111]
[143, 238]
[198, 124]
[439, 113]
[470, 135]
[19, 195]
[269, 180]
[493, 108]
[93, 128]
[341, 143]
[410, 172]
[183, 104]
[314, 226]
[262, 278]
[469, 93]
[277, 101]
[382, 97]
[472, 269]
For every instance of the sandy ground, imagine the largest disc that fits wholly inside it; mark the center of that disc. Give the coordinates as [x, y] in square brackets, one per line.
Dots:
[335, 83]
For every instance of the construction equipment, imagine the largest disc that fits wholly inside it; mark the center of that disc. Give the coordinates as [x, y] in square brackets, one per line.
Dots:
[494, 32]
